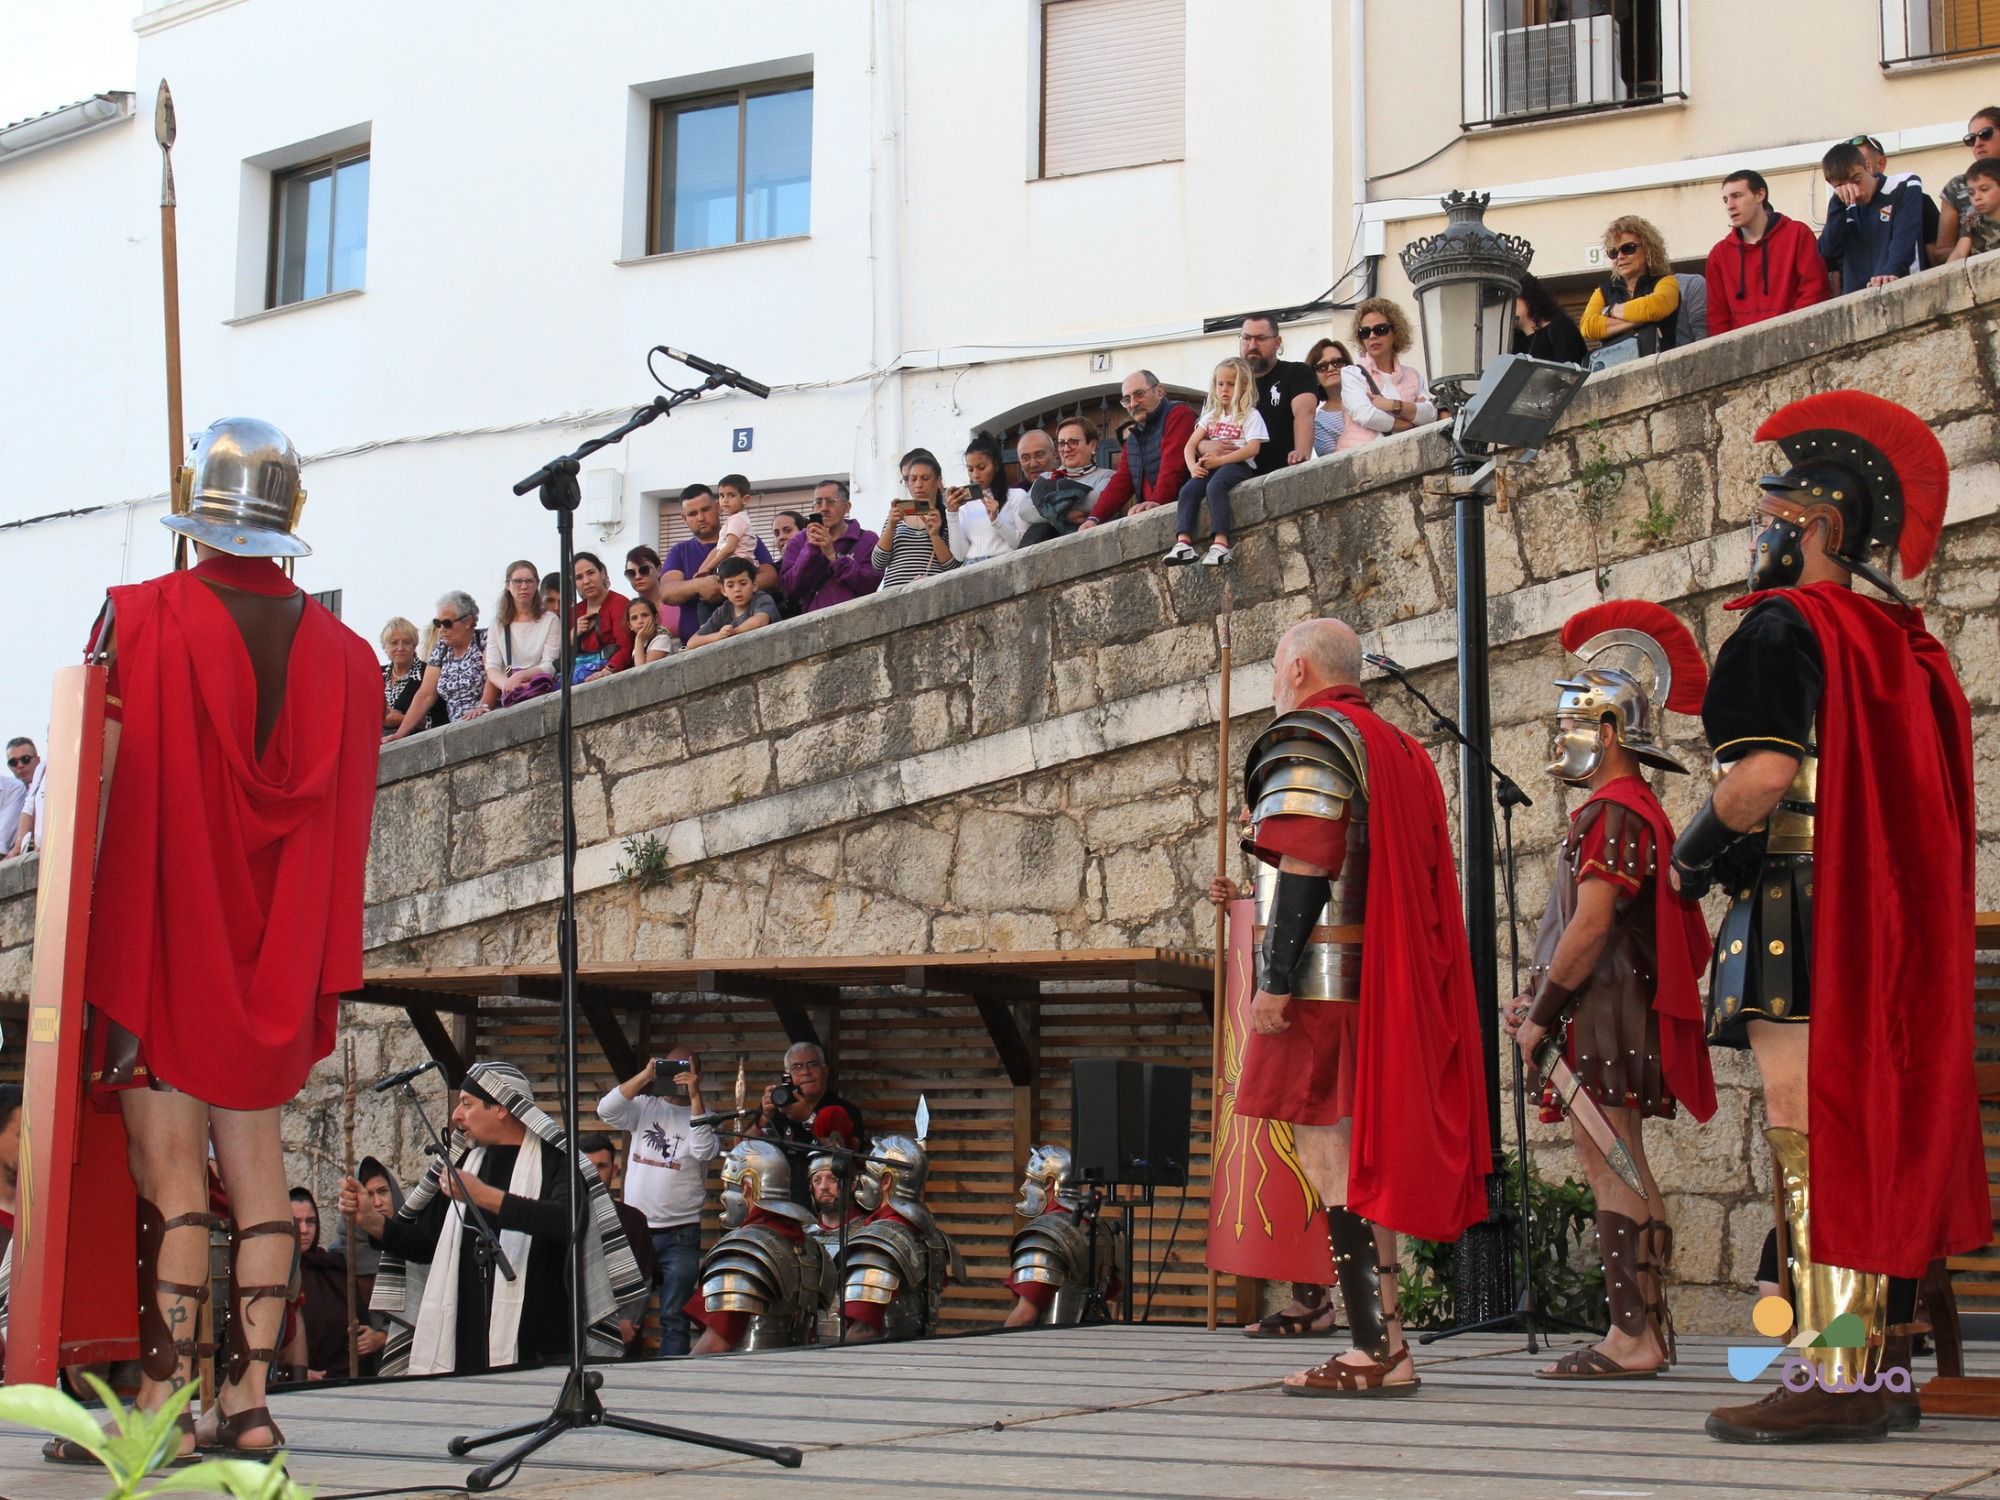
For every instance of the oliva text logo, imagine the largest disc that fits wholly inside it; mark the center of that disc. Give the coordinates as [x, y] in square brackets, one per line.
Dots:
[1772, 1316]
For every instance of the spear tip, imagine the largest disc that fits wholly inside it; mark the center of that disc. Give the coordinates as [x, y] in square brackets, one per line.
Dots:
[163, 117]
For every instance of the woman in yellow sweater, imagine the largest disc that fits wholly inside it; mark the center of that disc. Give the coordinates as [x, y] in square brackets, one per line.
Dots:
[1640, 298]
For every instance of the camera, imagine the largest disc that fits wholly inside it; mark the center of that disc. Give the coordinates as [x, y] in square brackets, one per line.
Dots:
[784, 1093]
[664, 1069]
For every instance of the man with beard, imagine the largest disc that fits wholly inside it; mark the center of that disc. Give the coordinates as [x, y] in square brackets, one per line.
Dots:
[1287, 394]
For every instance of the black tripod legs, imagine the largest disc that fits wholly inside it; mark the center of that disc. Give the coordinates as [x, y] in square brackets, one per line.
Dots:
[577, 1408]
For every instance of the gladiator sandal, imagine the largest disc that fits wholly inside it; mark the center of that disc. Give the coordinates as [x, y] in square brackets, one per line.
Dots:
[1656, 1258]
[1621, 1244]
[1356, 1266]
[230, 1429]
[161, 1352]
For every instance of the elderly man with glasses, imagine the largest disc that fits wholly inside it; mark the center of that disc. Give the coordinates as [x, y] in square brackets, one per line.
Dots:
[17, 816]
[812, 1116]
[1152, 467]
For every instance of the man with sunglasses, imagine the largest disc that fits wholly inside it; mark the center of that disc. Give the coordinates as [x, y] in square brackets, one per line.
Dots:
[1765, 265]
[1152, 466]
[25, 768]
[1283, 386]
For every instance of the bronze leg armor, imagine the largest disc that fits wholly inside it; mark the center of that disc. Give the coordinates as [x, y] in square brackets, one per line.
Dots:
[1354, 1264]
[1619, 1242]
[241, 1354]
[1821, 1293]
[161, 1350]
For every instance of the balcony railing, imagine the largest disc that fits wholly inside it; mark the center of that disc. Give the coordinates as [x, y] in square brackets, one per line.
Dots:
[1542, 59]
[1916, 31]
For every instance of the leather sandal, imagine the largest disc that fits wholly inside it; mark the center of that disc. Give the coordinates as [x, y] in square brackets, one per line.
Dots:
[1372, 1379]
[1284, 1325]
[64, 1451]
[1589, 1363]
[230, 1429]
[229, 1434]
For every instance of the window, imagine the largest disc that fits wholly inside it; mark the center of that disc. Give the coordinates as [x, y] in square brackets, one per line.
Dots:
[1114, 84]
[1927, 30]
[732, 168]
[331, 599]
[319, 238]
[1533, 59]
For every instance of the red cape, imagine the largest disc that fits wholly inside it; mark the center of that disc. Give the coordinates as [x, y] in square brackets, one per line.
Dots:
[1420, 1151]
[1682, 948]
[1898, 1174]
[228, 918]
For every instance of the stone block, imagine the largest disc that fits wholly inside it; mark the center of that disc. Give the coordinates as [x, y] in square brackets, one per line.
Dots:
[1128, 823]
[648, 800]
[729, 920]
[1011, 661]
[651, 737]
[1109, 608]
[1709, 1157]
[1025, 864]
[1749, 1224]
[1075, 683]
[889, 731]
[409, 850]
[1019, 932]
[1699, 1236]
[495, 835]
[1139, 884]
[901, 856]
[823, 688]
[1174, 655]
[1370, 560]
[960, 932]
[1937, 375]
[717, 719]
[1684, 424]
[1139, 772]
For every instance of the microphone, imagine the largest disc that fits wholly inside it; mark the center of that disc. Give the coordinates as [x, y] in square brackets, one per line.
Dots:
[397, 1080]
[1385, 664]
[722, 373]
[717, 1116]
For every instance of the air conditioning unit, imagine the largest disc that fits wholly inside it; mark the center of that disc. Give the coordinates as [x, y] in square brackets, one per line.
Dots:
[1535, 70]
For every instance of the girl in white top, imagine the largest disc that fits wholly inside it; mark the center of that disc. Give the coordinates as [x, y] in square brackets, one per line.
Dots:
[1379, 393]
[525, 638]
[649, 642]
[990, 524]
[1221, 453]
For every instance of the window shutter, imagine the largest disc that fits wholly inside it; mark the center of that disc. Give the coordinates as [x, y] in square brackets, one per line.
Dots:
[1114, 84]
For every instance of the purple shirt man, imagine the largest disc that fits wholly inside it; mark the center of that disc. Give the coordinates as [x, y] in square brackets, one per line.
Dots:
[827, 563]
[682, 583]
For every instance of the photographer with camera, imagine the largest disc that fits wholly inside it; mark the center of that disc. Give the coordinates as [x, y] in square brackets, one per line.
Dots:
[666, 1167]
[828, 562]
[801, 1111]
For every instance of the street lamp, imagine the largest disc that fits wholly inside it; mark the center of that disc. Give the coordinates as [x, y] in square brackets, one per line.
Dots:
[1466, 278]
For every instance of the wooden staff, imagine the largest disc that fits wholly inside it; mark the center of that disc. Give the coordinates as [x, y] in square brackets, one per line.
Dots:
[1221, 931]
[170, 276]
[353, 1243]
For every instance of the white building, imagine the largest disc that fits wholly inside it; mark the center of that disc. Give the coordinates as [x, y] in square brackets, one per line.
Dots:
[434, 243]
[506, 244]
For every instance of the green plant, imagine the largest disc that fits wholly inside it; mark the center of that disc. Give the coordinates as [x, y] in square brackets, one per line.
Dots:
[1560, 1218]
[142, 1441]
[1598, 480]
[1661, 519]
[647, 862]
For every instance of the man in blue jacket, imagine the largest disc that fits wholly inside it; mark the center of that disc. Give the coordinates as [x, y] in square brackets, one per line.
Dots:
[1874, 233]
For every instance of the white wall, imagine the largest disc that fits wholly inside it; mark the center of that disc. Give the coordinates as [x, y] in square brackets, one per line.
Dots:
[939, 285]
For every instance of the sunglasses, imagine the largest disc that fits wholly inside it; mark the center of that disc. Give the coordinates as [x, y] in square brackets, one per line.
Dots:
[1865, 140]
[443, 624]
[1630, 247]
[20, 760]
[639, 572]
[1375, 330]
[1330, 364]
[1070, 442]
[522, 583]
[1983, 133]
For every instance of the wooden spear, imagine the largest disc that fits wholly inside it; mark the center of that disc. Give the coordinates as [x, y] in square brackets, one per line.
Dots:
[353, 1243]
[170, 275]
[1221, 931]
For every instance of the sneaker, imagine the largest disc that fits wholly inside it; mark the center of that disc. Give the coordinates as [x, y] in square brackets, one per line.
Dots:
[1216, 555]
[1179, 555]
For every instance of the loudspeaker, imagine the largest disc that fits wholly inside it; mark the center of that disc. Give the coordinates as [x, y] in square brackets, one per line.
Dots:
[1129, 1121]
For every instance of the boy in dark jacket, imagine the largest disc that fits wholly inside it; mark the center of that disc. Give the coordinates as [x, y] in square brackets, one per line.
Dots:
[1766, 265]
[1873, 232]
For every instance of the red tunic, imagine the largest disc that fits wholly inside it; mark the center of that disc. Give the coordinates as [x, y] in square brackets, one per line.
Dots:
[230, 884]
[1420, 1150]
[1898, 1175]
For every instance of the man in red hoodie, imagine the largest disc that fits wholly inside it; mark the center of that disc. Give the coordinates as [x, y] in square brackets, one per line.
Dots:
[1766, 265]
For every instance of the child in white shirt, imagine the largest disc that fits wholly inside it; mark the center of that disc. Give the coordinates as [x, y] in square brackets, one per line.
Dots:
[1221, 454]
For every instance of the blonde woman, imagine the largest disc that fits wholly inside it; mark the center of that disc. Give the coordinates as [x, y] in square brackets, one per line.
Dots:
[1640, 300]
[1380, 392]
[403, 675]
[525, 638]
[1221, 453]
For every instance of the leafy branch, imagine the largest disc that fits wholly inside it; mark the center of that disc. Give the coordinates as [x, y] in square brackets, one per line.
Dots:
[645, 863]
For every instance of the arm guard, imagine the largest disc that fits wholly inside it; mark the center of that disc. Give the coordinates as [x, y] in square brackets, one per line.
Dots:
[1705, 840]
[1551, 1004]
[1295, 911]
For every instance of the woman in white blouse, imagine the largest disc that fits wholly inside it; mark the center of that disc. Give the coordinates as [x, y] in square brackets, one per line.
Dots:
[526, 638]
[1380, 393]
[991, 524]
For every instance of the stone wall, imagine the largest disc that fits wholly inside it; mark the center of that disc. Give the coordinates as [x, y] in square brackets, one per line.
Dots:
[1021, 755]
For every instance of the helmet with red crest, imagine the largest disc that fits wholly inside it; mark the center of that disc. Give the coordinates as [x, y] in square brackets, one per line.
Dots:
[1613, 639]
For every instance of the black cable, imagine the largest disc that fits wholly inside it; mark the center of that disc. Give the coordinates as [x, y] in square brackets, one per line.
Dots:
[1420, 162]
[401, 1489]
[1168, 1254]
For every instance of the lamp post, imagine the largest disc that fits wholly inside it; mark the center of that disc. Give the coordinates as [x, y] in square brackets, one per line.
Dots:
[1465, 278]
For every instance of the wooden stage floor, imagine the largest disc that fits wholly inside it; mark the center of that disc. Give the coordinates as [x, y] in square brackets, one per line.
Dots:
[1162, 1413]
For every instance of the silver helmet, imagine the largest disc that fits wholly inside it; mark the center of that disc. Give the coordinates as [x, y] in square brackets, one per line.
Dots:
[755, 1174]
[239, 491]
[894, 1173]
[1603, 692]
[1050, 1180]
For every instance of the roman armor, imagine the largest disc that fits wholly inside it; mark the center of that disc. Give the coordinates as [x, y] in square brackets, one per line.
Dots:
[899, 1260]
[779, 1280]
[1060, 1247]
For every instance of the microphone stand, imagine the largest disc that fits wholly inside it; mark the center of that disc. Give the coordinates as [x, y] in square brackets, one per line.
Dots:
[486, 1239]
[1528, 1314]
[577, 1406]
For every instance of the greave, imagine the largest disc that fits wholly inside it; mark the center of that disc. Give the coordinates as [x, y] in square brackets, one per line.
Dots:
[1821, 1293]
[1618, 1244]
[1354, 1265]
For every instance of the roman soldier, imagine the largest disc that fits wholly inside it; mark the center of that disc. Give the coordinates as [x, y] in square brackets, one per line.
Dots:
[763, 1283]
[1841, 828]
[1063, 1264]
[898, 1263]
[1364, 1030]
[228, 921]
[1618, 960]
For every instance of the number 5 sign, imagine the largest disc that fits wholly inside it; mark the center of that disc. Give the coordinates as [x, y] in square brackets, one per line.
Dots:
[739, 439]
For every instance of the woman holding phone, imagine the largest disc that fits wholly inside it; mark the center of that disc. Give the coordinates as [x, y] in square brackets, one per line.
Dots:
[915, 544]
[984, 518]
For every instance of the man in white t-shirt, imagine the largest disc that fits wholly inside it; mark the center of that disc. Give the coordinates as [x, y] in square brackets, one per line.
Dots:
[22, 765]
[666, 1171]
